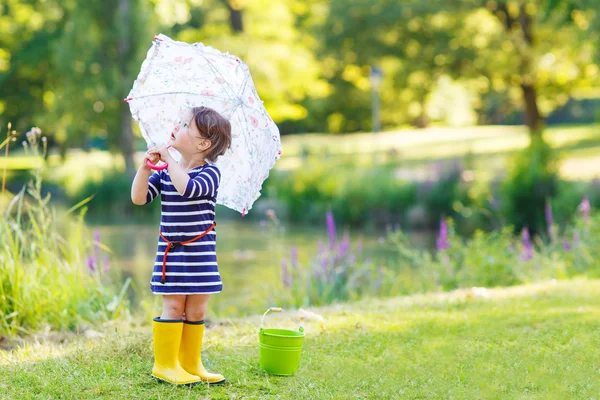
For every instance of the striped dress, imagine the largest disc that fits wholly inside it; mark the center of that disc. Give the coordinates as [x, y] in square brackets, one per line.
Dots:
[191, 268]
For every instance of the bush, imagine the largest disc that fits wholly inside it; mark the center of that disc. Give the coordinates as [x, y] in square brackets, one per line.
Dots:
[112, 198]
[531, 183]
[357, 195]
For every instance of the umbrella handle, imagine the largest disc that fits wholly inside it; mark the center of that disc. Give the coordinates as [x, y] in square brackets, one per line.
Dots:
[156, 167]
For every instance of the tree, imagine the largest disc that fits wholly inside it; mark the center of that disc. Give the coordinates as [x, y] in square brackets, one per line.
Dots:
[235, 15]
[499, 45]
[27, 77]
[97, 58]
[284, 69]
[408, 39]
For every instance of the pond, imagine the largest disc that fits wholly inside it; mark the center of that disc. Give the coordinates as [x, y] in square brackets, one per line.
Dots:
[249, 255]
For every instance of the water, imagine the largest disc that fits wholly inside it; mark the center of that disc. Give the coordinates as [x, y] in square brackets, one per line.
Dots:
[249, 255]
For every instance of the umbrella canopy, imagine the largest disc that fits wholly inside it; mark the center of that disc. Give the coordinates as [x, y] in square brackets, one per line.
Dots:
[178, 76]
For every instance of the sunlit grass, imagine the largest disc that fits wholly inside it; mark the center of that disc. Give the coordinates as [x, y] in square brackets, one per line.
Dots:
[412, 148]
[534, 342]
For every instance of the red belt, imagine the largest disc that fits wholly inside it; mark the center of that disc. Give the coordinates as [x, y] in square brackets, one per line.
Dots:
[172, 245]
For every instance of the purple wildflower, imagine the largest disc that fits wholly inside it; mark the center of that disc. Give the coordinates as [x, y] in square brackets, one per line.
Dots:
[285, 275]
[294, 257]
[344, 246]
[567, 245]
[331, 230]
[442, 242]
[92, 261]
[97, 239]
[585, 209]
[527, 252]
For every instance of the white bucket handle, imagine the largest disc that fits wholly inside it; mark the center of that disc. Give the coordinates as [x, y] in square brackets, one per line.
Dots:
[279, 309]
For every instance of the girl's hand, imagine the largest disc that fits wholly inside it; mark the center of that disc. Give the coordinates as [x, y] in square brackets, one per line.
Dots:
[162, 153]
[152, 157]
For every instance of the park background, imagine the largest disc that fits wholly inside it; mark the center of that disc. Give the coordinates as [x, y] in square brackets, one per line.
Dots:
[428, 147]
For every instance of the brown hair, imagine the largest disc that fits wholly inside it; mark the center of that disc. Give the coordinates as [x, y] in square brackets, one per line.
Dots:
[215, 128]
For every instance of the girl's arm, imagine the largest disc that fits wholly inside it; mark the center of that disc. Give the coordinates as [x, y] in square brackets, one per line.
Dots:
[142, 190]
[204, 184]
[179, 177]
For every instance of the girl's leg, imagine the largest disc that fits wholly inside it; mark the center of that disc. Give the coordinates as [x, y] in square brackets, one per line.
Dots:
[195, 307]
[168, 335]
[173, 307]
[190, 354]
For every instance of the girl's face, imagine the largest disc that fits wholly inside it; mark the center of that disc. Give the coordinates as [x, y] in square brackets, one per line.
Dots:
[186, 137]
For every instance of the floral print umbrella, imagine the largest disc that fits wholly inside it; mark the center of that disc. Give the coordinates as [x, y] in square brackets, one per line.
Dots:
[177, 76]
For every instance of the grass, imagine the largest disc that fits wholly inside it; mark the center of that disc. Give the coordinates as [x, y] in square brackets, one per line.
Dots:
[49, 269]
[533, 342]
[488, 147]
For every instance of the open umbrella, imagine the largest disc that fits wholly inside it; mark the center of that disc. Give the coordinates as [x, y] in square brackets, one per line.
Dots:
[177, 76]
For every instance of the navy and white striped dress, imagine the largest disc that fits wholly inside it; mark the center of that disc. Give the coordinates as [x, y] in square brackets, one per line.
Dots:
[191, 268]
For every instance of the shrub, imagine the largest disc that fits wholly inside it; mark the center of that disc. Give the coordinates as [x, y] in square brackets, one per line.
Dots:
[532, 181]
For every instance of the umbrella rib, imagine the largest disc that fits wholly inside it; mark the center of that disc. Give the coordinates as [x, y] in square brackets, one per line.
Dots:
[243, 87]
[245, 127]
[217, 72]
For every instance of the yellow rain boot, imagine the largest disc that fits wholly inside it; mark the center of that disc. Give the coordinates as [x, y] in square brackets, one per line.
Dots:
[167, 339]
[191, 350]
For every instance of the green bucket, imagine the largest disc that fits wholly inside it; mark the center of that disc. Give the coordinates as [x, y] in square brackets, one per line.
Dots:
[280, 348]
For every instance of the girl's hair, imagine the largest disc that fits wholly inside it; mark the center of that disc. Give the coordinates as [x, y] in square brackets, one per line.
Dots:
[215, 128]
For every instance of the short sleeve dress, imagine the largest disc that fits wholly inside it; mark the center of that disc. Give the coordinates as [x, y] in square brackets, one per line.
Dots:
[190, 268]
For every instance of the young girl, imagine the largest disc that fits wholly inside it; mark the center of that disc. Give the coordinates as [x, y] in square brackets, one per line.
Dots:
[185, 271]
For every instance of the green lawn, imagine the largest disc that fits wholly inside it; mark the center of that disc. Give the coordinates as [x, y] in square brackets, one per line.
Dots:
[487, 146]
[529, 342]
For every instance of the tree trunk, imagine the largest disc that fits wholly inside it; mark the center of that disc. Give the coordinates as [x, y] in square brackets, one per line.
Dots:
[524, 23]
[422, 121]
[533, 118]
[124, 48]
[235, 16]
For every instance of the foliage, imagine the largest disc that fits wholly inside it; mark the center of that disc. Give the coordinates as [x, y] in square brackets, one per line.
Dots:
[532, 181]
[51, 271]
[65, 64]
[336, 273]
[340, 272]
[112, 198]
[362, 195]
[418, 43]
